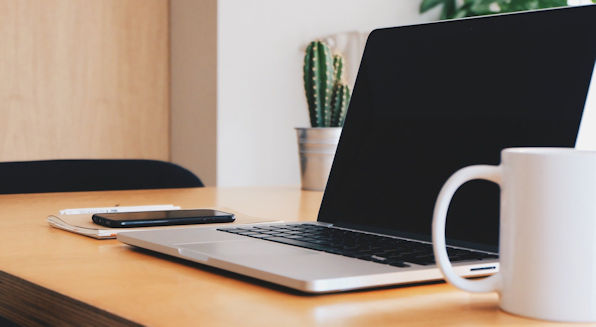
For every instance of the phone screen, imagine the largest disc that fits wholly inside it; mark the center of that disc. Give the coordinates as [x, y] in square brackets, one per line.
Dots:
[162, 218]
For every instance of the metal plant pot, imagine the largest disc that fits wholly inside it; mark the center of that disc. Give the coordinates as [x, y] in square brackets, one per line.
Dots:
[316, 146]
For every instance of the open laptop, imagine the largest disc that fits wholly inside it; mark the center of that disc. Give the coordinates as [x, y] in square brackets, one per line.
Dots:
[429, 99]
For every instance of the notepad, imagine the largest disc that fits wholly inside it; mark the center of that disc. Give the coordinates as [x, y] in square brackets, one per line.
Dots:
[154, 207]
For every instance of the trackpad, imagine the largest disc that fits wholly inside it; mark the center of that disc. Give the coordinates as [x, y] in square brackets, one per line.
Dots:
[245, 249]
[263, 256]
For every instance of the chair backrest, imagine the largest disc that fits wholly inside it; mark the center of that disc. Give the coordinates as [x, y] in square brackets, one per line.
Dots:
[92, 175]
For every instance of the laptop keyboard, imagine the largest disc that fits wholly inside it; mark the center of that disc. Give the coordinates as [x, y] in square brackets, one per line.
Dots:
[381, 249]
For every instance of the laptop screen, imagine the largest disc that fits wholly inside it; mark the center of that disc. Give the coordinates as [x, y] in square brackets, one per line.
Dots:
[430, 99]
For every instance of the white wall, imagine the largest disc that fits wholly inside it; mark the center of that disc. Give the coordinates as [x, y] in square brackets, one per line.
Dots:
[260, 93]
[234, 126]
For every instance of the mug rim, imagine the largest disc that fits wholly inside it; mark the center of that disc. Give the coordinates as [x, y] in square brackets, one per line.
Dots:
[547, 151]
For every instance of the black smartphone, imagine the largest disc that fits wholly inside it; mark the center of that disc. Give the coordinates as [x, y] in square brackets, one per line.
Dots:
[162, 218]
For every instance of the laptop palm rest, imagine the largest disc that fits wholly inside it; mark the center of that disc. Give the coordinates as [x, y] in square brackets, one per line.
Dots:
[293, 262]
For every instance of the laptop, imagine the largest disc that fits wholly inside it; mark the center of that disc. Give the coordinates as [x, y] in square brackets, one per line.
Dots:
[429, 99]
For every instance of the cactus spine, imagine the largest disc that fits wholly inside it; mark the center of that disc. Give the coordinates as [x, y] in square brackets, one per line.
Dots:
[318, 82]
[327, 93]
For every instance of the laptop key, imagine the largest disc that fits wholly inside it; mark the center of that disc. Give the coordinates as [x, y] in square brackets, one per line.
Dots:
[248, 233]
[262, 236]
[398, 263]
[270, 228]
[295, 236]
[274, 233]
[377, 258]
[300, 243]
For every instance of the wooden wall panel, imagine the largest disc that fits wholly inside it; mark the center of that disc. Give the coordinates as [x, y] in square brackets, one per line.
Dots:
[84, 79]
[193, 88]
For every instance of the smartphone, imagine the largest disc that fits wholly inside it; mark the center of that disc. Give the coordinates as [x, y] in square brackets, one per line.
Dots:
[161, 218]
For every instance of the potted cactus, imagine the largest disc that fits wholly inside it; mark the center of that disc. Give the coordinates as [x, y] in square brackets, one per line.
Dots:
[327, 96]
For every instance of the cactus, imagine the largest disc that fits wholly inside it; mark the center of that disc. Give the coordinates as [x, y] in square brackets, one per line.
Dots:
[318, 82]
[338, 66]
[327, 93]
[339, 103]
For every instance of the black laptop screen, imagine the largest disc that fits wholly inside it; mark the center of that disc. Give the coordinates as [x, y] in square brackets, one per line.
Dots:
[430, 99]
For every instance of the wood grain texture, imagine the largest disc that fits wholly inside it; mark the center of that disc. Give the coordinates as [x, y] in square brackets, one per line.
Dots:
[84, 79]
[27, 304]
[157, 290]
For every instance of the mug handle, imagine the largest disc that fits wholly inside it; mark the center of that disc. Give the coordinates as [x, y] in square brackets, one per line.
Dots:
[490, 173]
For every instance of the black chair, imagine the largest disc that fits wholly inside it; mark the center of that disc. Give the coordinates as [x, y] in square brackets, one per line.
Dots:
[92, 175]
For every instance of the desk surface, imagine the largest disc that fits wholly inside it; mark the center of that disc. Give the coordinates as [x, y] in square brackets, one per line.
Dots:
[69, 271]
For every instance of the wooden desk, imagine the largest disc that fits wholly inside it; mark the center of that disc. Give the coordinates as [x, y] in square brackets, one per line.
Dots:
[86, 281]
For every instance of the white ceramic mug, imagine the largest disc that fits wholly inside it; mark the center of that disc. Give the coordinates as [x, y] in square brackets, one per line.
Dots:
[547, 247]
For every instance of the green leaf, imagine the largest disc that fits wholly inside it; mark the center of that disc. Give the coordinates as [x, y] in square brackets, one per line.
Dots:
[449, 7]
[461, 13]
[522, 5]
[429, 4]
[486, 7]
[552, 3]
